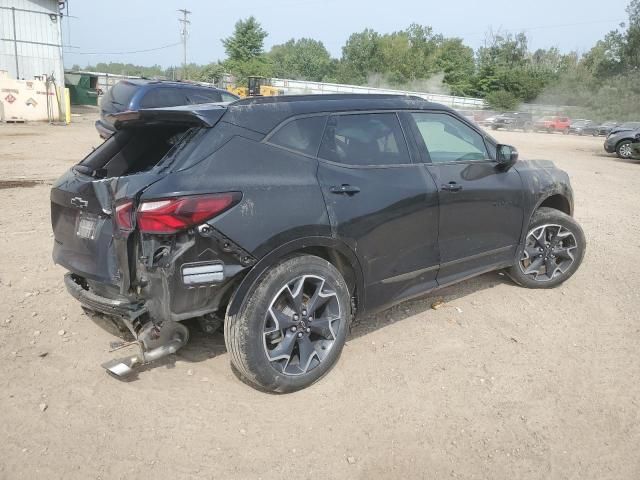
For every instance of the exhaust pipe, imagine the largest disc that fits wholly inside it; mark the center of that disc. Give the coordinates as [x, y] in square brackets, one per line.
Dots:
[155, 342]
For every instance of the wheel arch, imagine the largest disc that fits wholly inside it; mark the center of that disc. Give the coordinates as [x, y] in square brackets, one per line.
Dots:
[334, 251]
[556, 201]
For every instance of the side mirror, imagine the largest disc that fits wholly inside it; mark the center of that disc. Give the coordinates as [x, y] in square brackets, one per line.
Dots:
[506, 155]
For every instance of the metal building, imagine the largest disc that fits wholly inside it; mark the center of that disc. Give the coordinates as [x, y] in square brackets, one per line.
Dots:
[31, 39]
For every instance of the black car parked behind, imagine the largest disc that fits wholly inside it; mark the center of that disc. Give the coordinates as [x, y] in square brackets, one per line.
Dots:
[132, 95]
[514, 121]
[287, 216]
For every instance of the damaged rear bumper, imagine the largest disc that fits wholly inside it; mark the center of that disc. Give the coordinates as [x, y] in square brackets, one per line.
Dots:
[128, 311]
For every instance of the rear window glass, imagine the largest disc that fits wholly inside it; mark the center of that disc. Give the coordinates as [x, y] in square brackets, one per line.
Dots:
[302, 135]
[131, 151]
[121, 93]
[364, 139]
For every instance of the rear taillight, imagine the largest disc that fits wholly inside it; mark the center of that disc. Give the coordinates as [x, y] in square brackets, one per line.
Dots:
[124, 215]
[174, 214]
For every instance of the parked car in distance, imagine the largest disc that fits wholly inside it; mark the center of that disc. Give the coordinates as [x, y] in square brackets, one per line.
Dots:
[635, 146]
[513, 121]
[620, 143]
[603, 129]
[285, 217]
[134, 94]
[580, 127]
[489, 121]
[551, 124]
[625, 127]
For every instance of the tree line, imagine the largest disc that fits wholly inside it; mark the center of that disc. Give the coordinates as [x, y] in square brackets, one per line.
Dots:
[605, 81]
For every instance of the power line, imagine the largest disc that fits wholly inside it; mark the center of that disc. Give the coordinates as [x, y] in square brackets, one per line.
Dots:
[184, 32]
[541, 27]
[125, 53]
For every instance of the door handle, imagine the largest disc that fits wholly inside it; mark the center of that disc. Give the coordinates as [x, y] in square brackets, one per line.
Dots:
[451, 187]
[345, 189]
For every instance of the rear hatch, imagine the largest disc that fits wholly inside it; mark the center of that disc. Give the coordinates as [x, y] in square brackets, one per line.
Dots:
[89, 239]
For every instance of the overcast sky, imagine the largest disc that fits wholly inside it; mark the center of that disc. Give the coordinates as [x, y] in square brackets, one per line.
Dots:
[124, 26]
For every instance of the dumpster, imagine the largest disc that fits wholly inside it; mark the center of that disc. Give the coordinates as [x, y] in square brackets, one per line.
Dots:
[83, 88]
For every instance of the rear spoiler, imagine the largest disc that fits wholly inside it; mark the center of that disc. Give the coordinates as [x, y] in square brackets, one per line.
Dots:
[205, 115]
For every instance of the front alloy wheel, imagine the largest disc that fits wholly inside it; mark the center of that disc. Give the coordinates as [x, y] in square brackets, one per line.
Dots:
[548, 252]
[552, 250]
[624, 149]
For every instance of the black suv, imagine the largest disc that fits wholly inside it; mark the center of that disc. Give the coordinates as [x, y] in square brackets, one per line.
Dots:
[514, 121]
[133, 95]
[284, 217]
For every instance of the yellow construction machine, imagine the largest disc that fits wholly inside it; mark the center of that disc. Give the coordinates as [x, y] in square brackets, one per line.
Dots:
[256, 87]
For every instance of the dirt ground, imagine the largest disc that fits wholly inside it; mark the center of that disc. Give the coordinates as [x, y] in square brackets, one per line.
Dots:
[502, 383]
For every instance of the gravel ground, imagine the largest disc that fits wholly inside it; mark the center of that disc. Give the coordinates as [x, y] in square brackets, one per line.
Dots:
[501, 383]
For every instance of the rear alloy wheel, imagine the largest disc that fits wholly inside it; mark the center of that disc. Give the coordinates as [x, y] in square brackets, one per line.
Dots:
[291, 328]
[552, 251]
[623, 149]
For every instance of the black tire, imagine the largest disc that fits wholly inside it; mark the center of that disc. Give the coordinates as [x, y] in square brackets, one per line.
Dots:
[566, 256]
[623, 149]
[249, 343]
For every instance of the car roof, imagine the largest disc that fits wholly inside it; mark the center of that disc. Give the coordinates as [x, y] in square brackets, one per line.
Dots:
[148, 83]
[262, 114]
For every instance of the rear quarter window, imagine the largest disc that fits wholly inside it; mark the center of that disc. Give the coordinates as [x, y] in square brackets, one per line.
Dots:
[301, 135]
[122, 93]
[202, 96]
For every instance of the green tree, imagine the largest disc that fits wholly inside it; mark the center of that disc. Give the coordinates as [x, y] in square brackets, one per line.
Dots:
[455, 60]
[211, 73]
[502, 100]
[360, 57]
[631, 48]
[246, 42]
[303, 59]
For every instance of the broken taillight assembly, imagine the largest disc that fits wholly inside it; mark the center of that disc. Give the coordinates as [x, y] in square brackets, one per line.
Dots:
[172, 215]
[124, 216]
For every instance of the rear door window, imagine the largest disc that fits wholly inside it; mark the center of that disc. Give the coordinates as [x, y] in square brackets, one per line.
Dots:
[164, 97]
[302, 135]
[366, 139]
[202, 96]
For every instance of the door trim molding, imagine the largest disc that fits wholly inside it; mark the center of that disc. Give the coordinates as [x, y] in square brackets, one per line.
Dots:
[408, 276]
[477, 255]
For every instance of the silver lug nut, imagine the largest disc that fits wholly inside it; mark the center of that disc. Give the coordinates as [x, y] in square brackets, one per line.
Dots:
[304, 312]
[296, 317]
[300, 335]
[293, 329]
[308, 330]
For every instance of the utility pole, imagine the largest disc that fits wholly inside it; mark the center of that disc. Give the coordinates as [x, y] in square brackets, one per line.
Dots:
[184, 32]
